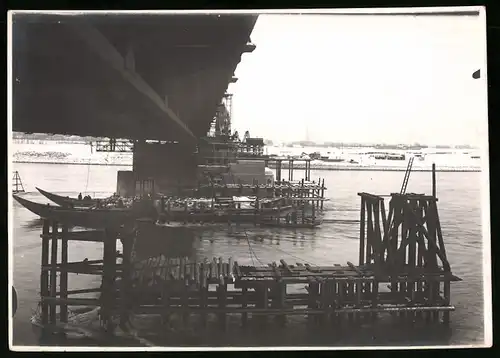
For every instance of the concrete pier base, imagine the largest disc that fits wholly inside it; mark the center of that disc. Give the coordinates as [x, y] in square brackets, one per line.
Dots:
[125, 183]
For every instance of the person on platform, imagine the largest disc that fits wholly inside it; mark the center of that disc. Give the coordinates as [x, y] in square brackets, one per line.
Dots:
[80, 196]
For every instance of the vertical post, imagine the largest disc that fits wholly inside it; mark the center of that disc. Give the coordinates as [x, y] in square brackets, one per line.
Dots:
[395, 206]
[244, 298]
[222, 295]
[203, 292]
[44, 276]
[359, 290]
[185, 301]
[313, 297]
[362, 233]
[405, 225]
[265, 303]
[279, 213]
[374, 297]
[334, 301]
[420, 248]
[433, 179]
[341, 296]
[369, 233]
[351, 298]
[322, 192]
[313, 213]
[412, 236]
[126, 278]
[377, 235]
[185, 212]
[53, 270]
[418, 292]
[162, 204]
[109, 275]
[165, 300]
[64, 273]
[447, 298]
[281, 301]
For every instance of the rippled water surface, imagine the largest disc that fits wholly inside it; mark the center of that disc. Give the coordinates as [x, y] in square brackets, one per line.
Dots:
[460, 214]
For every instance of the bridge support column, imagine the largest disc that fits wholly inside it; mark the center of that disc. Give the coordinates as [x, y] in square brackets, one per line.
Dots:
[125, 183]
[168, 165]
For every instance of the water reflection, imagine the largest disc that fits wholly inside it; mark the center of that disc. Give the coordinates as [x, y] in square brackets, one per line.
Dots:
[332, 243]
[153, 240]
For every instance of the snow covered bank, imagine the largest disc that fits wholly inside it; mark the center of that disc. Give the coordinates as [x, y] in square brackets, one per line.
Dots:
[67, 153]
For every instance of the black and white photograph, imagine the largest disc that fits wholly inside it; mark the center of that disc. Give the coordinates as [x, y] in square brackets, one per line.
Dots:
[248, 179]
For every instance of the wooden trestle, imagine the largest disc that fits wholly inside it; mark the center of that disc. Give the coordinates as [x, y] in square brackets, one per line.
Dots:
[402, 269]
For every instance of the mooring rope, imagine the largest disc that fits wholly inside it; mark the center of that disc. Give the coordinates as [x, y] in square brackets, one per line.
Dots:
[251, 250]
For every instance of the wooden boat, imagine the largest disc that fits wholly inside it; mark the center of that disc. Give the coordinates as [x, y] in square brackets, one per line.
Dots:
[66, 201]
[116, 217]
[84, 217]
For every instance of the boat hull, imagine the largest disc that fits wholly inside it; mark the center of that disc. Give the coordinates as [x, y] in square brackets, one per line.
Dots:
[66, 201]
[115, 218]
[89, 218]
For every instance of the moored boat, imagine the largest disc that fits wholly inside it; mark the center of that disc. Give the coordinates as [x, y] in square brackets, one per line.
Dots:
[117, 217]
[66, 201]
[84, 217]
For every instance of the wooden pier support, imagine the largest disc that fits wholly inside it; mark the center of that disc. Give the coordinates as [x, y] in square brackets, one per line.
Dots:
[126, 294]
[244, 314]
[53, 272]
[109, 280]
[222, 297]
[64, 274]
[44, 275]
[405, 241]
[403, 248]
[263, 301]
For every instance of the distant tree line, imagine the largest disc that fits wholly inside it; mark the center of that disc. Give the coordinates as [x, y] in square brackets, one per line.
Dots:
[415, 146]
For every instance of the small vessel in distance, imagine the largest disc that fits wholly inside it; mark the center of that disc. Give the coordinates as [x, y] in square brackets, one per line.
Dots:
[386, 156]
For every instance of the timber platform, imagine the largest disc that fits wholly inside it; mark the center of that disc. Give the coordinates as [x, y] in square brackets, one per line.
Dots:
[403, 271]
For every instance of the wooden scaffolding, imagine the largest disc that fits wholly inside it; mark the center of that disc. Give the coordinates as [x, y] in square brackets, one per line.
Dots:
[407, 241]
[17, 184]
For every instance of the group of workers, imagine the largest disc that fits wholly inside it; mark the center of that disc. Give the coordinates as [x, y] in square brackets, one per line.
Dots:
[86, 197]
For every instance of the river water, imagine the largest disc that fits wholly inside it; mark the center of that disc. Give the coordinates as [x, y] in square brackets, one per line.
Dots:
[460, 213]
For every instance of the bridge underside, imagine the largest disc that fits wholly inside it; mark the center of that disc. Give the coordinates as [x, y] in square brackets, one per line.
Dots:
[137, 77]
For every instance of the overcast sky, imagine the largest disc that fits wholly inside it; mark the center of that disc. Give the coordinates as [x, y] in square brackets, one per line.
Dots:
[392, 79]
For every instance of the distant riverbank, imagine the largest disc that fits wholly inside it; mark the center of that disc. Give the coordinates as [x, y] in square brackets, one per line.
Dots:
[314, 166]
[83, 154]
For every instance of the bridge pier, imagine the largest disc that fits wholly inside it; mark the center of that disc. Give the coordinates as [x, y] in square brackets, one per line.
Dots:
[165, 165]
